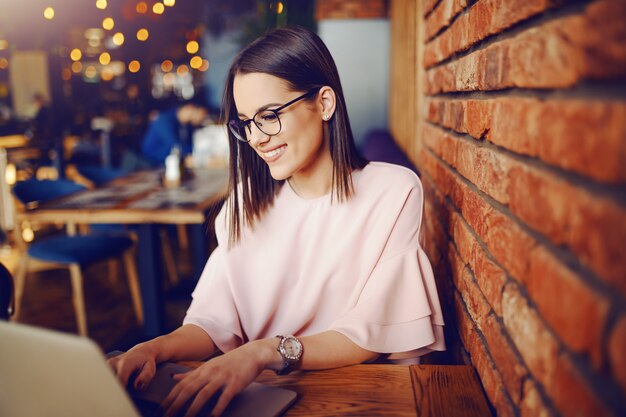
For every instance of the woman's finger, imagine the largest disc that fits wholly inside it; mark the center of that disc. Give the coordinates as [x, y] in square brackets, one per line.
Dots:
[180, 394]
[202, 398]
[222, 402]
[146, 373]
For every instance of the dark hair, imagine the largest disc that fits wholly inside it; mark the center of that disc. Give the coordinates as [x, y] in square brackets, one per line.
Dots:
[299, 57]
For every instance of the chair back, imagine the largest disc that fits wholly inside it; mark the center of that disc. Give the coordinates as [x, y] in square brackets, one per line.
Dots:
[6, 293]
[40, 191]
[99, 175]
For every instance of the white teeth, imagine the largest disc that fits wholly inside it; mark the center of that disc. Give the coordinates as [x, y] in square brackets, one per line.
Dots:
[275, 152]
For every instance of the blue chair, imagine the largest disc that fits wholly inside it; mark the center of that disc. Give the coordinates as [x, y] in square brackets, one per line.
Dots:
[74, 251]
[101, 175]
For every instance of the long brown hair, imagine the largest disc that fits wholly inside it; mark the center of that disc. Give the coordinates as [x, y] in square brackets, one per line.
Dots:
[299, 57]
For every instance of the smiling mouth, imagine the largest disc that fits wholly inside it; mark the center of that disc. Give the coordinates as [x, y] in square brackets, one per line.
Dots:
[275, 152]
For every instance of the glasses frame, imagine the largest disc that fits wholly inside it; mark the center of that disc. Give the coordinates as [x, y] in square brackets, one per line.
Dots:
[236, 125]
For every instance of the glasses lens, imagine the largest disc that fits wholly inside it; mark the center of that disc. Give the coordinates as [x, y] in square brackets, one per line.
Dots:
[238, 130]
[267, 121]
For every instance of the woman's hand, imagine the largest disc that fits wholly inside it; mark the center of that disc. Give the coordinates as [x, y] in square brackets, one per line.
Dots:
[228, 374]
[138, 359]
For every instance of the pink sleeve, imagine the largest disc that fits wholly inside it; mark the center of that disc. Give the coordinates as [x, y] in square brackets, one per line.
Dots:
[212, 307]
[397, 309]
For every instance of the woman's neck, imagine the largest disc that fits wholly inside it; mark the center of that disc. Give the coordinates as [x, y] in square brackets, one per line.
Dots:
[316, 181]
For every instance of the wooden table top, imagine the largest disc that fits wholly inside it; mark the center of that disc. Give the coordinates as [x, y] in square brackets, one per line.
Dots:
[138, 198]
[383, 391]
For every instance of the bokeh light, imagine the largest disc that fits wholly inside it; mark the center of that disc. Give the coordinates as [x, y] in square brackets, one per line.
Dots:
[158, 8]
[134, 66]
[141, 7]
[101, 4]
[169, 3]
[76, 54]
[143, 34]
[4, 44]
[204, 66]
[48, 13]
[167, 65]
[108, 23]
[182, 69]
[90, 71]
[280, 7]
[77, 67]
[104, 58]
[4, 63]
[192, 47]
[118, 39]
[195, 62]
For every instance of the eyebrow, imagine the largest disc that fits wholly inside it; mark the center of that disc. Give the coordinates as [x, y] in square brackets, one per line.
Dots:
[264, 107]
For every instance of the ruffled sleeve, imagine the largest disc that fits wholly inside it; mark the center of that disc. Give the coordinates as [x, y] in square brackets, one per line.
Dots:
[397, 308]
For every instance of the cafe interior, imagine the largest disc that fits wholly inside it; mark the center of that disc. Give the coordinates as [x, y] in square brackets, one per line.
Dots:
[512, 119]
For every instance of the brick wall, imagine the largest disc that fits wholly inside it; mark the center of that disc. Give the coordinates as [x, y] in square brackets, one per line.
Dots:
[522, 145]
[350, 9]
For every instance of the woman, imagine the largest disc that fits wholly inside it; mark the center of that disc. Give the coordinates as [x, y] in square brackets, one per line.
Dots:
[318, 263]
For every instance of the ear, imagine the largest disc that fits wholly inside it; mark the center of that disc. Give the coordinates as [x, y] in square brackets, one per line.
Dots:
[327, 102]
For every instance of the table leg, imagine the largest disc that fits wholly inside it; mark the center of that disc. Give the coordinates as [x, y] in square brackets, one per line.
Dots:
[151, 280]
[199, 248]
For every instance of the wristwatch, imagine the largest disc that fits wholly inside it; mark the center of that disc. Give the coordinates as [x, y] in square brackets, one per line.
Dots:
[290, 348]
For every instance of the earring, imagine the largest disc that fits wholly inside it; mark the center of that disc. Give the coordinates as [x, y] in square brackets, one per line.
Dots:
[325, 117]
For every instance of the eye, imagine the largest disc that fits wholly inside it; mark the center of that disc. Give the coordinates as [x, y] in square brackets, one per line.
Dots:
[267, 117]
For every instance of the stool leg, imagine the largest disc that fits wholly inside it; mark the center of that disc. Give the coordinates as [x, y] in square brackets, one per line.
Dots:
[133, 282]
[20, 282]
[78, 298]
[113, 275]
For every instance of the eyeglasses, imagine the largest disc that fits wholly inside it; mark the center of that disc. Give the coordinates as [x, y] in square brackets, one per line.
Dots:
[266, 120]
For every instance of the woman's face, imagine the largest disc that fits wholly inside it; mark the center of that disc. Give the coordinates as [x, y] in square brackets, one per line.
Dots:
[299, 150]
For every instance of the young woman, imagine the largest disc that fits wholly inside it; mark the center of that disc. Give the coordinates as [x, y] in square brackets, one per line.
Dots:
[318, 263]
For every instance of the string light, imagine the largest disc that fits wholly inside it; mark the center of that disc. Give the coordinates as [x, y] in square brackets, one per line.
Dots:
[143, 34]
[76, 54]
[108, 23]
[192, 47]
[48, 13]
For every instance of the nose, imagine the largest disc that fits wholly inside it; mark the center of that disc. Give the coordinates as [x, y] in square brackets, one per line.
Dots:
[257, 136]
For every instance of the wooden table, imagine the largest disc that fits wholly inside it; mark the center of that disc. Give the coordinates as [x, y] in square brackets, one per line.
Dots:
[141, 199]
[383, 391]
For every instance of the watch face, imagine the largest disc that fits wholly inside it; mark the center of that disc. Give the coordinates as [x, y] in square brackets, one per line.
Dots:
[292, 348]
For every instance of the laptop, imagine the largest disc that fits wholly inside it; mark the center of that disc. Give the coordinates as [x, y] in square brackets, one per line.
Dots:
[51, 374]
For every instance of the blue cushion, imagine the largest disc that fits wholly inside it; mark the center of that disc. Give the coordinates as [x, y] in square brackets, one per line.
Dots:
[378, 145]
[99, 175]
[79, 249]
[40, 191]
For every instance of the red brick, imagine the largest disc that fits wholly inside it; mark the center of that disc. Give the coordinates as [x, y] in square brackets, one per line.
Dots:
[428, 6]
[504, 357]
[572, 395]
[563, 133]
[533, 340]
[489, 276]
[442, 15]
[532, 405]
[580, 327]
[617, 352]
[503, 237]
[566, 56]
[474, 300]
[593, 227]
[484, 18]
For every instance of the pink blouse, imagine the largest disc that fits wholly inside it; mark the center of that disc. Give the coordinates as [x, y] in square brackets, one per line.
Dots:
[314, 265]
